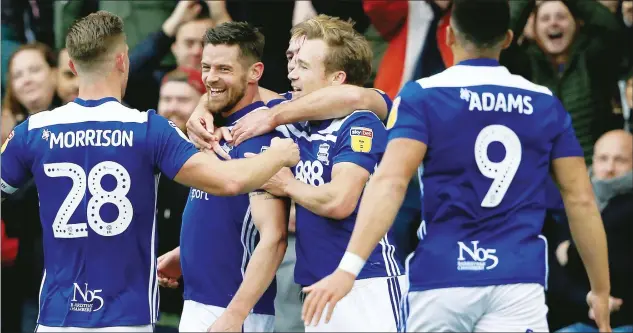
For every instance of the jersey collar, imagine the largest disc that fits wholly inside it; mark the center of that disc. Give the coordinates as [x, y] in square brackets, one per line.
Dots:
[89, 103]
[479, 62]
[235, 116]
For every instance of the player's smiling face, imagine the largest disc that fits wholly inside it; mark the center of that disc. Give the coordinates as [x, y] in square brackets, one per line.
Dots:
[555, 27]
[309, 73]
[224, 76]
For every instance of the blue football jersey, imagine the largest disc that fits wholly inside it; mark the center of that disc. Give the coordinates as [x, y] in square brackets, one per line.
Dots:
[360, 138]
[96, 165]
[491, 137]
[218, 236]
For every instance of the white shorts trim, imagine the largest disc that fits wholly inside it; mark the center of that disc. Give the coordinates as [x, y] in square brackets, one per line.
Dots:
[373, 305]
[143, 328]
[198, 317]
[504, 308]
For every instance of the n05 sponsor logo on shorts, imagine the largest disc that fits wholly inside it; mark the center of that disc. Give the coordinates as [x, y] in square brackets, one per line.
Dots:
[86, 302]
[480, 258]
[310, 172]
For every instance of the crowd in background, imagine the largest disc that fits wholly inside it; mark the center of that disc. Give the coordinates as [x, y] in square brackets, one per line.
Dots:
[582, 50]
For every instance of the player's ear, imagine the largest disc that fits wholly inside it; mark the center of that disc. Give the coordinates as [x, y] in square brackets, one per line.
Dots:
[450, 36]
[120, 62]
[507, 40]
[255, 72]
[71, 64]
[338, 77]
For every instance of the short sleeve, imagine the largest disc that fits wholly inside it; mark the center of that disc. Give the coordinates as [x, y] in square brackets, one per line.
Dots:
[16, 170]
[274, 102]
[387, 100]
[361, 140]
[565, 144]
[406, 118]
[170, 147]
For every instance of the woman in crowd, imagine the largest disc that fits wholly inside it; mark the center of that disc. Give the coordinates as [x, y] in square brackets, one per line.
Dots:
[31, 85]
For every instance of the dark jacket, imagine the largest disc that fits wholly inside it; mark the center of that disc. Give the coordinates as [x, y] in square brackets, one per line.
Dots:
[587, 83]
[572, 282]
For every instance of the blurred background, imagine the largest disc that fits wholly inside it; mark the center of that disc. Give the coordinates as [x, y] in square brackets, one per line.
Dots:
[582, 50]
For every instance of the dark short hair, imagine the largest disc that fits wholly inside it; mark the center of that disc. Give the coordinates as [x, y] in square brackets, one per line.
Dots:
[483, 23]
[250, 40]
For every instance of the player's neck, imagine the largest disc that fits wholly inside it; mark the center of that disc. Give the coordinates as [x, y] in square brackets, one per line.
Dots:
[465, 55]
[98, 89]
[251, 95]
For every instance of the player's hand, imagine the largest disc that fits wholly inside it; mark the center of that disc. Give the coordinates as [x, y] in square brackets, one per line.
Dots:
[169, 269]
[200, 128]
[229, 321]
[288, 148]
[219, 134]
[253, 124]
[276, 185]
[600, 308]
[328, 291]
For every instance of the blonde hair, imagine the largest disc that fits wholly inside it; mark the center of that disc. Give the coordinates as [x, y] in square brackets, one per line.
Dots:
[92, 40]
[348, 50]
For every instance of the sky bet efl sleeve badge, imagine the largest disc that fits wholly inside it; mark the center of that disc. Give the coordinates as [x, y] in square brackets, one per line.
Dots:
[361, 139]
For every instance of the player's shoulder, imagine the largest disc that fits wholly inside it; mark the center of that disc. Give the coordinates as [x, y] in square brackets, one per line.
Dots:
[360, 122]
[104, 110]
[468, 76]
[365, 117]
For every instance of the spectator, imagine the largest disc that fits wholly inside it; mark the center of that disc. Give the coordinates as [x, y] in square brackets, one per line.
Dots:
[67, 82]
[181, 33]
[179, 95]
[612, 180]
[576, 55]
[30, 84]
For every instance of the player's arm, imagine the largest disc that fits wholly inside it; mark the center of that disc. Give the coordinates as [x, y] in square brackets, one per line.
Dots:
[15, 162]
[331, 102]
[383, 196]
[326, 103]
[205, 171]
[336, 199]
[584, 218]
[270, 216]
[175, 156]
